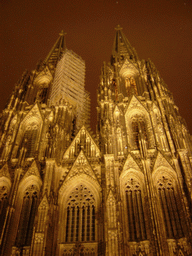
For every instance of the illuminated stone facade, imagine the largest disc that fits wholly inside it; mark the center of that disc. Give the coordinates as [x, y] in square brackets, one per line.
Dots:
[124, 191]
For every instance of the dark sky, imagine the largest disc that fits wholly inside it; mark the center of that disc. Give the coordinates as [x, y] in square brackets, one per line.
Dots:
[159, 29]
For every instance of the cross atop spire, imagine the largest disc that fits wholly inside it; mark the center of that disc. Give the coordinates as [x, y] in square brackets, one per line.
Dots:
[118, 27]
[57, 50]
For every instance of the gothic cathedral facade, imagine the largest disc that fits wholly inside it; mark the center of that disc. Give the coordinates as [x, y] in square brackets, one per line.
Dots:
[64, 191]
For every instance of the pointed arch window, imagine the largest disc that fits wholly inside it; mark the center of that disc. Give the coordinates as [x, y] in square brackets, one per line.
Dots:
[139, 128]
[3, 205]
[130, 85]
[42, 94]
[29, 207]
[171, 207]
[29, 140]
[135, 211]
[80, 220]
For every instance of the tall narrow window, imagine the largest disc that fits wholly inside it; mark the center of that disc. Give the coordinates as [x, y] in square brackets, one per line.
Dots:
[29, 207]
[171, 207]
[135, 130]
[3, 205]
[135, 214]
[130, 86]
[29, 140]
[80, 221]
[138, 129]
[42, 94]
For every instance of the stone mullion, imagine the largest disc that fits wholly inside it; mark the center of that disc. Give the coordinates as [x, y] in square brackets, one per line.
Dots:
[166, 213]
[39, 226]
[141, 214]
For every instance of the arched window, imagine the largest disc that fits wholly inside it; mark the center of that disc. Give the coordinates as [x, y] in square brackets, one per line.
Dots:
[135, 213]
[42, 94]
[171, 207]
[135, 129]
[138, 129]
[130, 85]
[29, 140]
[80, 220]
[29, 207]
[3, 205]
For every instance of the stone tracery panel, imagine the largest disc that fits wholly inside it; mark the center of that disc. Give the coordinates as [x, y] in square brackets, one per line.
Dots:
[171, 207]
[135, 211]
[80, 221]
[27, 216]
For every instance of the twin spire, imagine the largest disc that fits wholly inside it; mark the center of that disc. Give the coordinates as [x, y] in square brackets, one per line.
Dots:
[121, 48]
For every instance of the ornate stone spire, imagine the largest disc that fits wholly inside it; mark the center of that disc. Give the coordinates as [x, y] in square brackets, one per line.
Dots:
[57, 50]
[121, 47]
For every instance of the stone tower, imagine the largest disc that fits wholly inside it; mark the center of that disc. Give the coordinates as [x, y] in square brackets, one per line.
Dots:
[64, 191]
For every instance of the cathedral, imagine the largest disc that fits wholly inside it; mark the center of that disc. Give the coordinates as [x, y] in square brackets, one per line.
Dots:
[123, 191]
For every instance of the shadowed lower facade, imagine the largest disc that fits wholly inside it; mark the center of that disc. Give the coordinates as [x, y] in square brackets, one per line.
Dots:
[124, 191]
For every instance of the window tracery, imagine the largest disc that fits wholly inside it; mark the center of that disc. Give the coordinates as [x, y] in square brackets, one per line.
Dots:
[171, 207]
[27, 216]
[135, 212]
[80, 221]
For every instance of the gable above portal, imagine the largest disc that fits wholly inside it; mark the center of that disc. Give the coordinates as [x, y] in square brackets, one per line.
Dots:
[83, 139]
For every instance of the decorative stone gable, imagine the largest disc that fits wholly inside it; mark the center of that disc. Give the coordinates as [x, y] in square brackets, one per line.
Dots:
[33, 170]
[83, 141]
[161, 162]
[130, 163]
[33, 113]
[4, 172]
[135, 104]
[44, 77]
[82, 166]
[128, 69]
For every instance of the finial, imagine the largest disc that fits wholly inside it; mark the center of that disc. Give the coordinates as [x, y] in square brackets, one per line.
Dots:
[62, 33]
[118, 27]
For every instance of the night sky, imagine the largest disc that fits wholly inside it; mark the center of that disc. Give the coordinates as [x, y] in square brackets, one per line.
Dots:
[158, 29]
